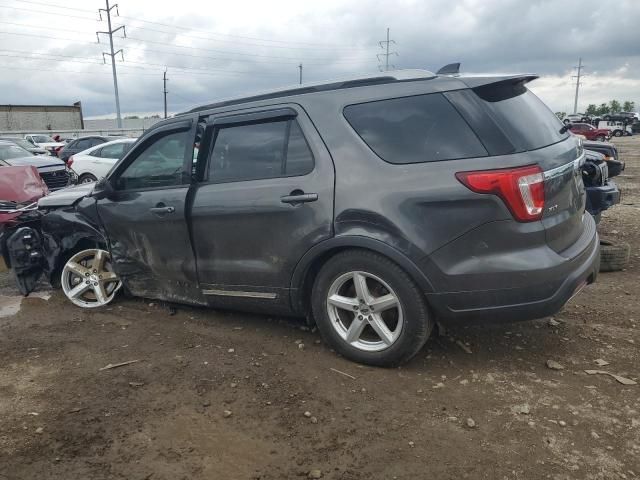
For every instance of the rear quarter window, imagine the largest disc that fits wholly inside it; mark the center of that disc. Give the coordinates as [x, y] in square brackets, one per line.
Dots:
[422, 128]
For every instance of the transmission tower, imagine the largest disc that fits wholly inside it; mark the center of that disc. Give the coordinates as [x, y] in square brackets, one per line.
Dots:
[112, 54]
[579, 68]
[385, 44]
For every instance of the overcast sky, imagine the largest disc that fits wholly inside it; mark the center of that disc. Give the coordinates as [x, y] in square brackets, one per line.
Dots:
[217, 49]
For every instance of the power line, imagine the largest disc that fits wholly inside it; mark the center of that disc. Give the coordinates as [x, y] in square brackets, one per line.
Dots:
[257, 55]
[384, 44]
[46, 13]
[181, 28]
[112, 54]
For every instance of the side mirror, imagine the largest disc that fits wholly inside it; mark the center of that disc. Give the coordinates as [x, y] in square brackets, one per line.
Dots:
[565, 127]
[102, 189]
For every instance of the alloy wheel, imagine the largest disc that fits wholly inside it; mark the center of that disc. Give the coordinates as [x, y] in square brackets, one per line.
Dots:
[364, 311]
[88, 279]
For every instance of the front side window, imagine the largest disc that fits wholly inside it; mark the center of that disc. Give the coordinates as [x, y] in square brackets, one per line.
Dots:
[42, 139]
[161, 164]
[260, 150]
[423, 128]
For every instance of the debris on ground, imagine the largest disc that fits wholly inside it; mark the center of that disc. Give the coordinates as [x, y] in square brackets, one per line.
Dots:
[342, 373]
[315, 473]
[116, 365]
[553, 322]
[619, 378]
[464, 347]
[227, 413]
[471, 423]
[553, 365]
[600, 362]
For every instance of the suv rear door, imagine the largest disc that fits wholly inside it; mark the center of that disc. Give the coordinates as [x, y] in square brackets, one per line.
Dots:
[263, 200]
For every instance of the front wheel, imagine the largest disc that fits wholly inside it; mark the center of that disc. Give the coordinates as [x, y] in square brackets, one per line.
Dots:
[88, 280]
[369, 310]
[87, 178]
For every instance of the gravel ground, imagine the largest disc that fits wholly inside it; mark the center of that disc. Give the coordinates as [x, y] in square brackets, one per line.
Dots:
[216, 395]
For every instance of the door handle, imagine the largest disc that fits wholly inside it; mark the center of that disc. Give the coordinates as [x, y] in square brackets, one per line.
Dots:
[160, 209]
[297, 197]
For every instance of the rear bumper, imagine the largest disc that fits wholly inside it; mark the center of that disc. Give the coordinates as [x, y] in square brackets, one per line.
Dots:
[601, 198]
[550, 287]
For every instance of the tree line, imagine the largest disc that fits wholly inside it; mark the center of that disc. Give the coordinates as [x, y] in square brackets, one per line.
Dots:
[614, 106]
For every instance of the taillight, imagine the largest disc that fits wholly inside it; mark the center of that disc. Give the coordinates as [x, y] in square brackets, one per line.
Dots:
[521, 189]
[70, 161]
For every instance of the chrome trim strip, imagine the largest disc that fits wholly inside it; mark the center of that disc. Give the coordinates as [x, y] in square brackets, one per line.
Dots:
[237, 293]
[562, 169]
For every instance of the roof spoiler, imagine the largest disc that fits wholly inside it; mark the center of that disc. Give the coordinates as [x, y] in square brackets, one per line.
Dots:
[449, 69]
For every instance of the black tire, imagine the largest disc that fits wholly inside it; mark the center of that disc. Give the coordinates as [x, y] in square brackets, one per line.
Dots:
[87, 178]
[417, 322]
[618, 133]
[601, 138]
[613, 257]
[566, 121]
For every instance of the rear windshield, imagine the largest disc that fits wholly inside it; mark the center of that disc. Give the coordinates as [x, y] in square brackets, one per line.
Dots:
[508, 117]
[422, 128]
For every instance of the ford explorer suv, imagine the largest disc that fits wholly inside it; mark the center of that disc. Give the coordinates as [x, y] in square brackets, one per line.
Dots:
[373, 206]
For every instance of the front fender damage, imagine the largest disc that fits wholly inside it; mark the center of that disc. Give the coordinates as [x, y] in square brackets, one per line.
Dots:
[41, 245]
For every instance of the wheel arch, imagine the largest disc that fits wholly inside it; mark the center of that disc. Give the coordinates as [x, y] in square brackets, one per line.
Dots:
[310, 264]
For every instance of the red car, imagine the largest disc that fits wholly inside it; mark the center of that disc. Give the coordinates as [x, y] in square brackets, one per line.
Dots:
[590, 132]
[19, 187]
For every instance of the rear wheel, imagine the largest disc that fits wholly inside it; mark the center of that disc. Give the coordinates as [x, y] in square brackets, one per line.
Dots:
[566, 121]
[87, 178]
[369, 310]
[618, 133]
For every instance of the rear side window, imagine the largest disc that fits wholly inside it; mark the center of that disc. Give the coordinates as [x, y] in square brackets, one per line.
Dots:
[423, 128]
[508, 117]
[260, 150]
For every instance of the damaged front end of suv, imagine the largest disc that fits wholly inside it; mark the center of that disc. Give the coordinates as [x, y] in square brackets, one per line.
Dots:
[40, 241]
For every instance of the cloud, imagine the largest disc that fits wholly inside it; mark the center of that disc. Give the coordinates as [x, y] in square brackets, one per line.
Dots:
[242, 47]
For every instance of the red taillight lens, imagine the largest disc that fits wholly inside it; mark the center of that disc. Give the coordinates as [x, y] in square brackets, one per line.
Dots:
[70, 161]
[521, 189]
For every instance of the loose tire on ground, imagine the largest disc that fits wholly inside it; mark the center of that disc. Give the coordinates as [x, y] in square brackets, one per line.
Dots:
[384, 279]
[613, 257]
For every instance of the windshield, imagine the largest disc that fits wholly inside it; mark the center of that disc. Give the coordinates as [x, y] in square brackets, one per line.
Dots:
[7, 152]
[42, 139]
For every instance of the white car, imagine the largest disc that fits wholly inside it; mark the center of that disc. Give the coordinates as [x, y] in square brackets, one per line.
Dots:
[44, 141]
[617, 129]
[95, 162]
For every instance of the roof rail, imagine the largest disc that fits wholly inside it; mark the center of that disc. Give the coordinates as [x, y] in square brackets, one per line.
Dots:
[361, 81]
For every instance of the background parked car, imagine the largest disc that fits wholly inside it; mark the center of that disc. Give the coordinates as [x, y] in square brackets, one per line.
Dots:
[19, 187]
[28, 146]
[82, 144]
[577, 117]
[624, 117]
[590, 132]
[614, 162]
[44, 141]
[617, 128]
[95, 163]
[53, 171]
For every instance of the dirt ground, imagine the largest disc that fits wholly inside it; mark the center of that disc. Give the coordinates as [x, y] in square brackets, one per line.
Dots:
[234, 396]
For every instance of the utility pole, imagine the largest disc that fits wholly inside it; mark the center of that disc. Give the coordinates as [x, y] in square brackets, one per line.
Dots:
[300, 68]
[113, 54]
[385, 44]
[164, 81]
[577, 77]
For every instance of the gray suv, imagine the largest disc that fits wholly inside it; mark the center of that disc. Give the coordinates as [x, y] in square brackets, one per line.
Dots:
[373, 206]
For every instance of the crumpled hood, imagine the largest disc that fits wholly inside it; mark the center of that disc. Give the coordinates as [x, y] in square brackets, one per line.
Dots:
[21, 184]
[66, 196]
